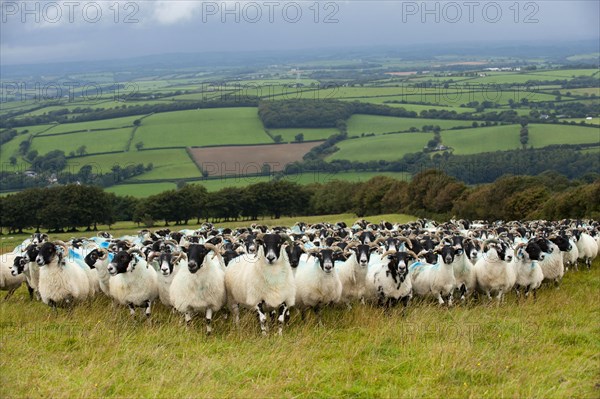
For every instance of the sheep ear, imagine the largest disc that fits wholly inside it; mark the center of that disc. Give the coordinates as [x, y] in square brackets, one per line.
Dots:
[459, 251]
[520, 254]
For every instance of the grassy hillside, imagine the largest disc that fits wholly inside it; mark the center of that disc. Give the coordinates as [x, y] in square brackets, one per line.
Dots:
[358, 124]
[100, 124]
[484, 139]
[547, 348]
[167, 163]
[543, 135]
[202, 127]
[389, 147]
[95, 142]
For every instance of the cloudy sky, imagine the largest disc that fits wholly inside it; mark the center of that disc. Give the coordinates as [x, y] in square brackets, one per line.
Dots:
[74, 30]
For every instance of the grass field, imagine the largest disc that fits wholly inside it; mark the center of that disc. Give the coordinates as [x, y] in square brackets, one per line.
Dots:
[483, 139]
[389, 147]
[594, 121]
[100, 124]
[168, 164]
[141, 190]
[202, 127]
[548, 348]
[95, 142]
[309, 134]
[358, 124]
[543, 135]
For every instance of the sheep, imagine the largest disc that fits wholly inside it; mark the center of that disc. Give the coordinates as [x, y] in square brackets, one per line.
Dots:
[262, 282]
[353, 272]
[435, 279]
[492, 270]
[133, 281]
[169, 266]
[389, 280]
[76, 255]
[32, 269]
[553, 266]
[317, 280]
[586, 245]
[464, 273]
[10, 281]
[61, 281]
[199, 286]
[570, 257]
[525, 262]
[98, 259]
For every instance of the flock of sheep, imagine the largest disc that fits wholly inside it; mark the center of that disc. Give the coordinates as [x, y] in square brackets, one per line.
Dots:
[270, 270]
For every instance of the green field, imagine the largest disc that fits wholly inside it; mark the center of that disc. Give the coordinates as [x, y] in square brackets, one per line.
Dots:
[95, 142]
[358, 124]
[168, 163]
[389, 147]
[92, 125]
[202, 127]
[141, 190]
[543, 135]
[483, 139]
[309, 134]
[546, 349]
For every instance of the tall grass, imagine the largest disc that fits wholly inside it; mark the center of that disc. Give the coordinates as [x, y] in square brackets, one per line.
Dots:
[544, 349]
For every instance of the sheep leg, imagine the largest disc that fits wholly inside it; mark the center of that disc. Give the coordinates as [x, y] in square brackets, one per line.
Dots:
[317, 310]
[534, 294]
[53, 305]
[450, 298]
[10, 293]
[282, 311]
[463, 292]
[499, 297]
[262, 317]
[527, 291]
[30, 290]
[438, 295]
[131, 309]
[148, 308]
[235, 309]
[188, 318]
[405, 300]
[208, 321]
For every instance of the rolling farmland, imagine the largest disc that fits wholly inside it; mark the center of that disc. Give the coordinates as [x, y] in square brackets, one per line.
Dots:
[389, 147]
[203, 127]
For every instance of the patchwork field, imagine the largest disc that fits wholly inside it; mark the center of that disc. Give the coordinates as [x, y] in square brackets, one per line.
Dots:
[389, 147]
[484, 139]
[95, 142]
[94, 125]
[141, 190]
[202, 127]
[358, 124]
[168, 163]
[543, 135]
[243, 160]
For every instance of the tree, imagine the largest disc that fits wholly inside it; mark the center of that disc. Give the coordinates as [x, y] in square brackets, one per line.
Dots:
[278, 139]
[299, 137]
[13, 160]
[524, 136]
[139, 145]
[137, 122]
[82, 150]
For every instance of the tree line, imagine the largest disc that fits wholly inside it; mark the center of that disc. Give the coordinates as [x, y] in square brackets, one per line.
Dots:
[431, 193]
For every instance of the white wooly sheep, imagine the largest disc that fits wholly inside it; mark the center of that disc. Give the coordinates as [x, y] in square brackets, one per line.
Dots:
[552, 265]
[389, 280]
[493, 272]
[434, 279]
[570, 257]
[133, 281]
[61, 281]
[77, 256]
[199, 286]
[353, 272]
[262, 282]
[168, 267]
[9, 280]
[317, 280]
[464, 271]
[526, 265]
[98, 259]
[587, 247]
